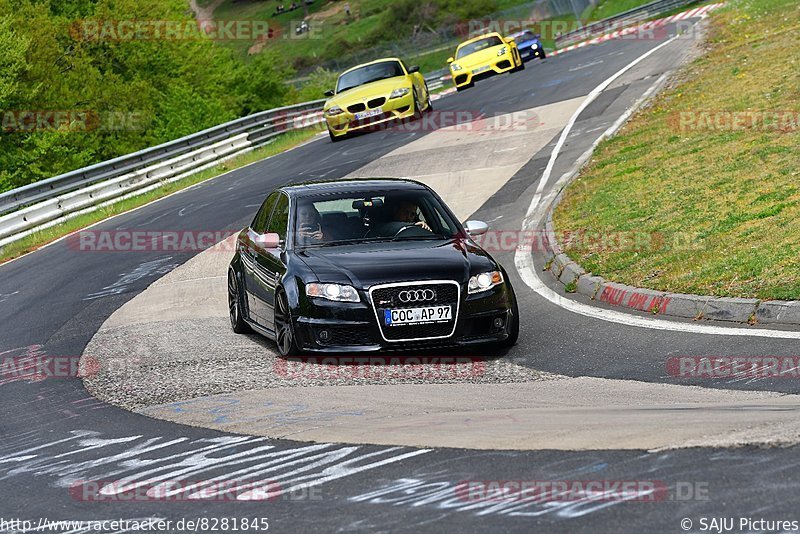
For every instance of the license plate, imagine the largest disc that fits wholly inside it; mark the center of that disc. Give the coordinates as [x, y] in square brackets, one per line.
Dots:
[367, 114]
[480, 69]
[428, 314]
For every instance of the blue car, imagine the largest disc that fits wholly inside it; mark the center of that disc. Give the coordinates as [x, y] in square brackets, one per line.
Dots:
[529, 45]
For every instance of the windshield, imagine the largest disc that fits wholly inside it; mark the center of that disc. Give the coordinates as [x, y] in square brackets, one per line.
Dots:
[477, 46]
[348, 218]
[524, 36]
[369, 73]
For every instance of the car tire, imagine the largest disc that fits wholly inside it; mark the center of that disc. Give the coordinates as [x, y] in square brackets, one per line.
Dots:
[513, 330]
[334, 139]
[417, 108]
[429, 103]
[238, 323]
[285, 339]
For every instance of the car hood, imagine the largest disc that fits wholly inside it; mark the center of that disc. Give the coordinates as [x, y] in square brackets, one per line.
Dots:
[526, 44]
[481, 57]
[367, 91]
[365, 265]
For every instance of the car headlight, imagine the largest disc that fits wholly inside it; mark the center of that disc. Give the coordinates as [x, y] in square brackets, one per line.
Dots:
[484, 281]
[337, 292]
[333, 111]
[455, 66]
[400, 91]
[534, 46]
[502, 51]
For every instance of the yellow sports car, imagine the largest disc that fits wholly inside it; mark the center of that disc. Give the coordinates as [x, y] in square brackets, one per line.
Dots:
[484, 56]
[374, 93]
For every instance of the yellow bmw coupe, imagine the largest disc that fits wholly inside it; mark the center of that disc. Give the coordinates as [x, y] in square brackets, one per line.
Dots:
[484, 56]
[374, 93]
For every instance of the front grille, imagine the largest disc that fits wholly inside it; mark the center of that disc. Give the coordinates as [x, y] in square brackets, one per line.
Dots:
[505, 64]
[384, 298]
[355, 108]
[461, 78]
[376, 102]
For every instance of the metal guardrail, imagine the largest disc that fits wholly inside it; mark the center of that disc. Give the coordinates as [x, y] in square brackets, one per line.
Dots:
[264, 122]
[620, 21]
[435, 80]
[46, 203]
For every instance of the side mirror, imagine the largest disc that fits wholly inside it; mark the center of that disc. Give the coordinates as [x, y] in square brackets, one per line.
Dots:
[510, 40]
[413, 68]
[267, 241]
[329, 92]
[476, 227]
[450, 59]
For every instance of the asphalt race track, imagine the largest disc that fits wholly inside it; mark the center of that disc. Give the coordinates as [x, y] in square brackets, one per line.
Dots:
[54, 436]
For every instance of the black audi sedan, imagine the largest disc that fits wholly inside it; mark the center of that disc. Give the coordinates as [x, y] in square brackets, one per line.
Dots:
[367, 265]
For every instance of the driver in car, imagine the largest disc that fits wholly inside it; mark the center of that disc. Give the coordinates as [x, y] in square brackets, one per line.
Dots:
[406, 211]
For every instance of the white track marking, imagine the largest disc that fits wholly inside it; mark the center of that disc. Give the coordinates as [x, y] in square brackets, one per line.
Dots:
[527, 270]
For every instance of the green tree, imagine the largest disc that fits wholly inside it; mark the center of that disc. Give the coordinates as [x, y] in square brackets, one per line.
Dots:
[172, 87]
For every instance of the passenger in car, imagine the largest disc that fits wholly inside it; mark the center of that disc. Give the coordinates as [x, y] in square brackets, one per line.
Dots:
[309, 225]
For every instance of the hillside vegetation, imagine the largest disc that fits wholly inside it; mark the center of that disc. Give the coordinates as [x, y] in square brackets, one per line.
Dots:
[154, 90]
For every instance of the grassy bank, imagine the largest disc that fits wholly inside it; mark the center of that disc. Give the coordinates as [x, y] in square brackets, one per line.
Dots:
[609, 8]
[688, 171]
[39, 239]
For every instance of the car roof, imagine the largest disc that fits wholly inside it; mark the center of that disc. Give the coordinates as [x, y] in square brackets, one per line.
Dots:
[372, 63]
[354, 186]
[479, 37]
[517, 34]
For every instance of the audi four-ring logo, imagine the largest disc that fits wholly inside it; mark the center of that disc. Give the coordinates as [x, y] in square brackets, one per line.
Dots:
[416, 295]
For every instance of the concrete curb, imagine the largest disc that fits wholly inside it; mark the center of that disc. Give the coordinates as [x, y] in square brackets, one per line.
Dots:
[577, 280]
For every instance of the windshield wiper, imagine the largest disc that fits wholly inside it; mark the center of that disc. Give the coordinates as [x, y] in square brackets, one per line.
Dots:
[434, 237]
[336, 242]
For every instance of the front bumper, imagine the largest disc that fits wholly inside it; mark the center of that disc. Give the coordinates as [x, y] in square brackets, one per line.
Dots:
[326, 326]
[527, 53]
[394, 109]
[465, 77]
